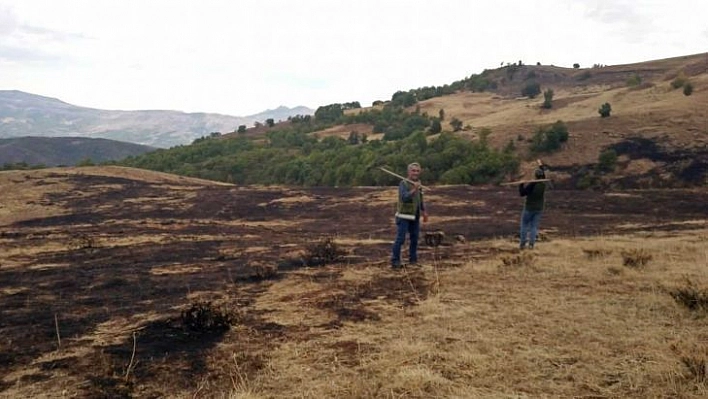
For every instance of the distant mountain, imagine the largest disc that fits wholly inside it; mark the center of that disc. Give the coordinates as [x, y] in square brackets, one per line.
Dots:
[53, 151]
[25, 114]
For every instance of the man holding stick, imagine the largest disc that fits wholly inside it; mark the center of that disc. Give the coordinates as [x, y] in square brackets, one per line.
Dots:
[533, 207]
[409, 208]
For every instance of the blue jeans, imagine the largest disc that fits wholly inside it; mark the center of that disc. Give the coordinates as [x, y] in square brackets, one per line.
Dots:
[529, 226]
[403, 226]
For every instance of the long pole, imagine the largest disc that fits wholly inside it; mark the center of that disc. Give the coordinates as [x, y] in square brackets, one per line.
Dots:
[403, 178]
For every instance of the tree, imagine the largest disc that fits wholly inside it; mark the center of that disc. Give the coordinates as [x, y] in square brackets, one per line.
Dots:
[605, 110]
[353, 138]
[456, 124]
[687, 89]
[435, 127]
[270, 122]
[548, 99]
[441, 113]
[576, 65]
[241, 129]
[531, 89]
[607, 161]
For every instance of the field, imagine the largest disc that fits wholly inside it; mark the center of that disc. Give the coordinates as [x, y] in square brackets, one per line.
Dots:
[123, 283]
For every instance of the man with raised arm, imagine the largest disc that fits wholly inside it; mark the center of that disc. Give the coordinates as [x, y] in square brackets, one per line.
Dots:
[409, 208]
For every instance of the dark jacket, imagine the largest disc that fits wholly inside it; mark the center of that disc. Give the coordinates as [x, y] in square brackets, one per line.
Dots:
[534, 193]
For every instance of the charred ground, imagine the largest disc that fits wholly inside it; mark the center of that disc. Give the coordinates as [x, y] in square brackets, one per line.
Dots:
[129, 256]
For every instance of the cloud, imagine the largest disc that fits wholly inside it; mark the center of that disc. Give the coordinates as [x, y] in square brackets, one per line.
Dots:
[23, 54]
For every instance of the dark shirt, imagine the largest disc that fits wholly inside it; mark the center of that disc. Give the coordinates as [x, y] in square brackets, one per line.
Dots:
[534, 193]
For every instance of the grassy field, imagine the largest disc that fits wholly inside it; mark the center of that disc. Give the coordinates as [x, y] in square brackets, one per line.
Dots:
[124, 283]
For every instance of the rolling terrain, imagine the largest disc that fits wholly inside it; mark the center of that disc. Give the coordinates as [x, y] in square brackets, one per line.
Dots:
[25, 114]
[54, 151]
[119, 282]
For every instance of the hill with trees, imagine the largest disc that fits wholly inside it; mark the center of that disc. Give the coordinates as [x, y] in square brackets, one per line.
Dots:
[484, 128]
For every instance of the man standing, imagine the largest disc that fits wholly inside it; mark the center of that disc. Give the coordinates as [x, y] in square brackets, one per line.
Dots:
[533, 207]
[409, 208]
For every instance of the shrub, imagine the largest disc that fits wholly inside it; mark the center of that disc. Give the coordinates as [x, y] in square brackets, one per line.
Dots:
[690, 295]
[547, 99]
[605, 110]
[597, 253]
[323, 252]
[583, 76]
[550, 139]
[435, 127]
[634, 80]
[456, 124]
[523, 259]
[679, 81]
[687, 89]
[434, 238]
[205, 317]
[531, 89]
[241, 129]
[576, 65]
[607, 161]
[635, 258]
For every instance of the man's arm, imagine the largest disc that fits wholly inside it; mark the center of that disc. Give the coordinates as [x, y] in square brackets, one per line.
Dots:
[404, 194]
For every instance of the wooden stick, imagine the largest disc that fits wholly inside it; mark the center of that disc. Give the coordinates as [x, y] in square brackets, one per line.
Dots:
[132, 357]
[523, 181]
[56, 325]
[403, 178]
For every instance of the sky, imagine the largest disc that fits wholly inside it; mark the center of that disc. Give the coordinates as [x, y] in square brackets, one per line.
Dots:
[241, 57]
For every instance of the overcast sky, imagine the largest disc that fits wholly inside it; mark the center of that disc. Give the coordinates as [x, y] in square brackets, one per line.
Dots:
[240, 57]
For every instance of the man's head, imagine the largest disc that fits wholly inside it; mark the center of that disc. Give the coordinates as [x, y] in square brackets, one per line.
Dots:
[414, 171]
[539, 173]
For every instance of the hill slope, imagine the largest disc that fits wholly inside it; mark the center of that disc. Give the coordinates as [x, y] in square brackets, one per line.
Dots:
[24, 114]
[52, 151]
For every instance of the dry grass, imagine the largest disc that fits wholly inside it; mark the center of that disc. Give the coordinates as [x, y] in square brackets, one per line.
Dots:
[566, 328]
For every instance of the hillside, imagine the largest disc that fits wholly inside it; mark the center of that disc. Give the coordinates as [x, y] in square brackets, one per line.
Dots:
[676, 124]
[24, 114]
[53, 151]
[656, 136]
[126, 283]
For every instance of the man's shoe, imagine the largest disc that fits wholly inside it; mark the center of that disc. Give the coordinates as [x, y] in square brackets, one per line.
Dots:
[396, 266]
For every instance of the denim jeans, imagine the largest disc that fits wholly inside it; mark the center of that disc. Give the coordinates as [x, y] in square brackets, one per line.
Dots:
[529, 226]
[403, 226]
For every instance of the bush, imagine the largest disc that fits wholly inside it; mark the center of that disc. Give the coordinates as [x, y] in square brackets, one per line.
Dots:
[576, 65]
[607, 161]
[679, 81]
[205, 317]
[691, 296]
[323, 252]
[584, 76]
[547, 99]
[634, 80]
[435, 127]
[550, 139]
[523, 259]
[241, 129]
[456, 124]
[531, 89]
[635, 258]
[687, 89]
[605, 110]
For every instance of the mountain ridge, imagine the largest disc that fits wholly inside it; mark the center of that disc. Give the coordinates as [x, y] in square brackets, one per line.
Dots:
[26, 114]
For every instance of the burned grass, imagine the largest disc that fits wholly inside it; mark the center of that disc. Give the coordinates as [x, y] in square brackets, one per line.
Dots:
[125, 256]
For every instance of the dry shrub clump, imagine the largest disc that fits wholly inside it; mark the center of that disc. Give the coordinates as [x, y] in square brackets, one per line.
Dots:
[635, 257]
[597, 253]
[694, 358]
[522, 259]
[434, 239]
[205, 317]
[324, 252]
[691, 295]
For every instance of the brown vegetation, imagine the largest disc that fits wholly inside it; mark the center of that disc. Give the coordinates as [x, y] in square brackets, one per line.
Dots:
[147, 285]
